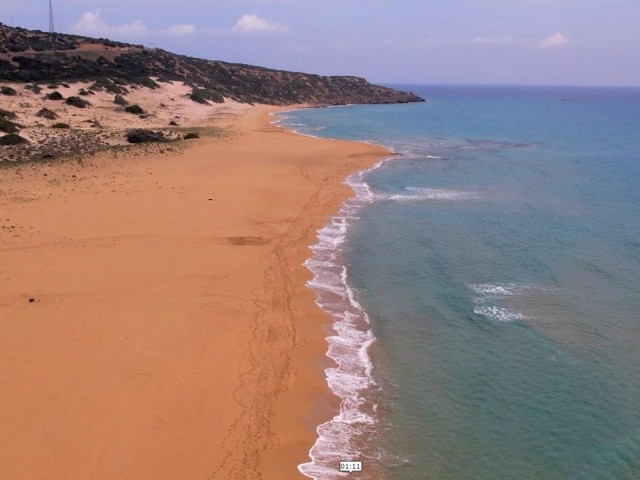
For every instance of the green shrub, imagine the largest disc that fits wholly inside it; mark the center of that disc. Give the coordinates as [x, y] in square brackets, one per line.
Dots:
[109, 86]
[46, 113]
[7, 126]
[55, 96]
[135, 109]
[120, 100]
[12, 139]
[6, 114]
[141, 135]
[8, 91]
[78, 102]
[198, 99]
[33, 88]
[147, 82]
[207, 94]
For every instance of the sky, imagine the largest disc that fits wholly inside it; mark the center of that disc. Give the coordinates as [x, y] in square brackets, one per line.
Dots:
[530, 42]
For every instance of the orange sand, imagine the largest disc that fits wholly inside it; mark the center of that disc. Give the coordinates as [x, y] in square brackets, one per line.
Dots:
[171, 335]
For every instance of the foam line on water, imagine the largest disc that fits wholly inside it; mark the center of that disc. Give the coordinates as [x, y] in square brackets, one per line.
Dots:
[415, 194]
[489, 296]
[351, 379]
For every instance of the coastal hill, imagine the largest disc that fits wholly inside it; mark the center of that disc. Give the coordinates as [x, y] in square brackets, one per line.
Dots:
[36, 56]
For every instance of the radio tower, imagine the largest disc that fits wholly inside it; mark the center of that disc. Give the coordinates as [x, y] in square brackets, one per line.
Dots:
[51, 27]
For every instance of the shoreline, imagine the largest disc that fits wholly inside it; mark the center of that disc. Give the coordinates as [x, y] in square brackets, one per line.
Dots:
[354, 421]
[169, 334]
[350, 377]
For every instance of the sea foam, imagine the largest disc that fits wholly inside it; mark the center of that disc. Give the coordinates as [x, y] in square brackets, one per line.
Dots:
[351, 379]
[415, 194]
[488, 297]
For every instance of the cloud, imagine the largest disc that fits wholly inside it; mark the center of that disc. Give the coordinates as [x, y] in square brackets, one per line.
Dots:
[255, 24]
[492, 40]
[554, 41]
[181, 30]
[91, 23]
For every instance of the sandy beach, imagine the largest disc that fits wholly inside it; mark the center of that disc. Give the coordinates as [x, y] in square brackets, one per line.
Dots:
[154, 317]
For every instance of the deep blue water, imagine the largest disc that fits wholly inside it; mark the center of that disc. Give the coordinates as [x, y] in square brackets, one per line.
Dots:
[498, 261]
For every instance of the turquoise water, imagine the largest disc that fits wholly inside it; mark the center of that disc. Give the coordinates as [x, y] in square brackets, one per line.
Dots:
[497, 264]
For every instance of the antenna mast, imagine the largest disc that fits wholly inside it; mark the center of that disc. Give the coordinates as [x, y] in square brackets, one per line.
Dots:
[51, 27]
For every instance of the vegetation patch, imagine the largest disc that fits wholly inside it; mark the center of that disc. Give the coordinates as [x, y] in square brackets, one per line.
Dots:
[7, 126]
[55, 96]
[135, 109]
[142, 135]
[48, 114]
[198, 99]
[4, 90]
[7, 114]
[109, 86]
[55, 61]
[78, 102]
[147, 82]
[120, 100]
[33, 88]
[12, 139]
[207, 94]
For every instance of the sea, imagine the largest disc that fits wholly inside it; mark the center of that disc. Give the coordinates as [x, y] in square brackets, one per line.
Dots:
[484, 287]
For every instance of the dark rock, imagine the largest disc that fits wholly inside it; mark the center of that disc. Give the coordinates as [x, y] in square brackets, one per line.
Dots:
[173, 123]
[191, 135]
[60, 125]
[31, 299]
